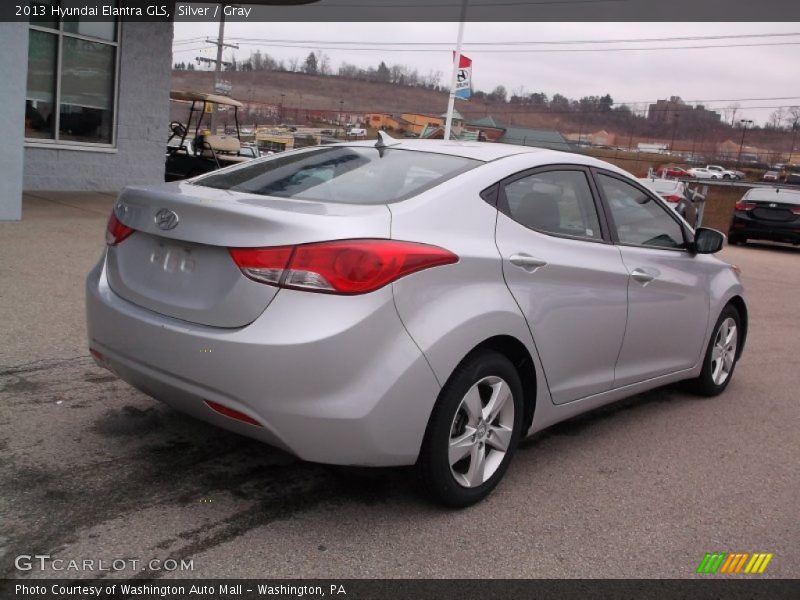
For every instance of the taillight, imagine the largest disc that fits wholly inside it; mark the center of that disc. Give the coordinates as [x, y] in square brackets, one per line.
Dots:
[340, 267]
[672, 198]
[116, 230]
[795, 210]
[745, 205]
[265, 265]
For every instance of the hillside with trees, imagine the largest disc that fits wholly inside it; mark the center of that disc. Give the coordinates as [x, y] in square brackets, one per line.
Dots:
[299, 85]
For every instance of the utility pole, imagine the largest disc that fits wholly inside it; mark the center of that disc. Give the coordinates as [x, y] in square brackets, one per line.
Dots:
[795, 127]
[745, 123]
[220, 44]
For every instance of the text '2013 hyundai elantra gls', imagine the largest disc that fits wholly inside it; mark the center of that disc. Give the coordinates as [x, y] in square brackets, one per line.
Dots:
[409, 302]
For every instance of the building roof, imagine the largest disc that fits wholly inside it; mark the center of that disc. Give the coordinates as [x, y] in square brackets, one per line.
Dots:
[486, 122]
[430, 132]
[542, 138]
[457, 116]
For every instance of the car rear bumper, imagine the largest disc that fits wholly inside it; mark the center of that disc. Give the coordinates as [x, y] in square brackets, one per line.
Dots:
[331, 379]
[745, 227]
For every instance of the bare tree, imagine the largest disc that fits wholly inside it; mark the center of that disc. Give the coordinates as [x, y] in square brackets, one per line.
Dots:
[776, 118]
[732, 110]
[324, 63]
[792, 115]
[293, 64]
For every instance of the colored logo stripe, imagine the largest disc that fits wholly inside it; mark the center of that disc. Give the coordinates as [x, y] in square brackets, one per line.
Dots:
[711, 563]
[723, 562]
[758, 563]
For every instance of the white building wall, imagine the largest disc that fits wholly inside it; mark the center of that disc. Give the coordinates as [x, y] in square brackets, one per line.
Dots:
[13, 75]
[142, 122]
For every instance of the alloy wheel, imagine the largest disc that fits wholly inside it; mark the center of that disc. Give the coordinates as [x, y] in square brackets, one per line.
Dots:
[481, 431]
[723, 354]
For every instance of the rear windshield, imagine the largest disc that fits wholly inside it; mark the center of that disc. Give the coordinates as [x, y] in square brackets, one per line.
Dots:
[349, 174]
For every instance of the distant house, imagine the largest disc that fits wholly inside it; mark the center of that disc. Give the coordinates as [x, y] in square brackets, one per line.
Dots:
[382, 121]
[489, 130]
[435, 129]
[541, 138]
[598, 138]
[416, 123]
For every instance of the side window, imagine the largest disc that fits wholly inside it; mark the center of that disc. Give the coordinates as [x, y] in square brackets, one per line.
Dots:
[640, 220]
[558, 202]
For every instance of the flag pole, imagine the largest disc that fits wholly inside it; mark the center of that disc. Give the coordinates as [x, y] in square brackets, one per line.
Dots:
[456, 64]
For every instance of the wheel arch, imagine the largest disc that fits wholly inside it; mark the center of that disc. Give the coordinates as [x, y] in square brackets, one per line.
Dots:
[515, 351]
[741, 307]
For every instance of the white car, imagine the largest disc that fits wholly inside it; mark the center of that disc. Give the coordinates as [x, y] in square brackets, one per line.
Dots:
[704, 173]
[676, 195]
[724, 173]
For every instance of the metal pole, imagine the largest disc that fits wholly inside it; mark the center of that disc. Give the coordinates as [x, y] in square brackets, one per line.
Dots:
[741, 145]
[794, 139]
[218, 67]
[448, 125]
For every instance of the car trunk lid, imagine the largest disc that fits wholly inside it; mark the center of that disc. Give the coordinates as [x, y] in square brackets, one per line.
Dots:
[177, 262]
[775, 211]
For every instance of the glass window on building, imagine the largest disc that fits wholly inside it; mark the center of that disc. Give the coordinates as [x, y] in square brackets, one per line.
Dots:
[72, 69]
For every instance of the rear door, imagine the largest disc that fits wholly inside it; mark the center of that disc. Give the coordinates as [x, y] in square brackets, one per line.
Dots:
[668, 298]
[566, 276]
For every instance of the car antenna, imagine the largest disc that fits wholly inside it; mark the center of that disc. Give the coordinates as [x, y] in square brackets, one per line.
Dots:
[384, 141]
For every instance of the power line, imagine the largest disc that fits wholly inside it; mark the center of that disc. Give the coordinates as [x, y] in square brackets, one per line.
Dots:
[345, 44]
[373, 48]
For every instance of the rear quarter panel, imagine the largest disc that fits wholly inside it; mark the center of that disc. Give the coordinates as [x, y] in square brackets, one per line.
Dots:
[450, 310]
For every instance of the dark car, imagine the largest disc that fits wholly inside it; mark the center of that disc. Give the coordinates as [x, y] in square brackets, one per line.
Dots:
[767, 214]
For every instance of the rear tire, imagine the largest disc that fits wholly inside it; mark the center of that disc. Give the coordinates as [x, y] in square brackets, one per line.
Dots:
[721, 355]
[473, 430]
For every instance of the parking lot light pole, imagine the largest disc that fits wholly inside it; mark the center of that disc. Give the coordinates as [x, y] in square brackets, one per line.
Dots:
[745, 123]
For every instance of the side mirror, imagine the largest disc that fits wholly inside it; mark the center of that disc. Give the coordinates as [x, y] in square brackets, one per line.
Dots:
[707, 241]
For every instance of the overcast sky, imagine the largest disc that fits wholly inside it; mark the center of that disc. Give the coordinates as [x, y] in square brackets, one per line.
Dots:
[719, 76]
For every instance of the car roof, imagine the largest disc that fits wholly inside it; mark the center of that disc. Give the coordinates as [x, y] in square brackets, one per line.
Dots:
[773, 194]
[490, 151]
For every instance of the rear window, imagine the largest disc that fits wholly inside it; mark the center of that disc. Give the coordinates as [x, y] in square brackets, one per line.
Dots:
[349, 174]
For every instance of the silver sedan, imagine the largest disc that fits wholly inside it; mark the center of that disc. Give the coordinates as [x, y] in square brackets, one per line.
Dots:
[409, 302]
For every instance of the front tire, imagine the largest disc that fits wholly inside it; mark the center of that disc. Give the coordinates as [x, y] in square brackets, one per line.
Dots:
[473, 431]
[721, 355]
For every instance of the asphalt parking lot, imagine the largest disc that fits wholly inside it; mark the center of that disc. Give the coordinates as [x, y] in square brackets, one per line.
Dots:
[92, 469]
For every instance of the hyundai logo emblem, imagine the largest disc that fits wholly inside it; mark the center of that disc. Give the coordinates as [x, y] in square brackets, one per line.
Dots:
[166, 219]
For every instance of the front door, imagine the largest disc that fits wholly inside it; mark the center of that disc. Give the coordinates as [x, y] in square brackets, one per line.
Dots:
[668, 300]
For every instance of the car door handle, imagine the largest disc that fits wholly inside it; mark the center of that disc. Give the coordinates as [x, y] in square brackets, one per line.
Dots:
[642, 276]
[527, 262]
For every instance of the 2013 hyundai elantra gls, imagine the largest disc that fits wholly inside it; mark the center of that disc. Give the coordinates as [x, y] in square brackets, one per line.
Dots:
[410, 302]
